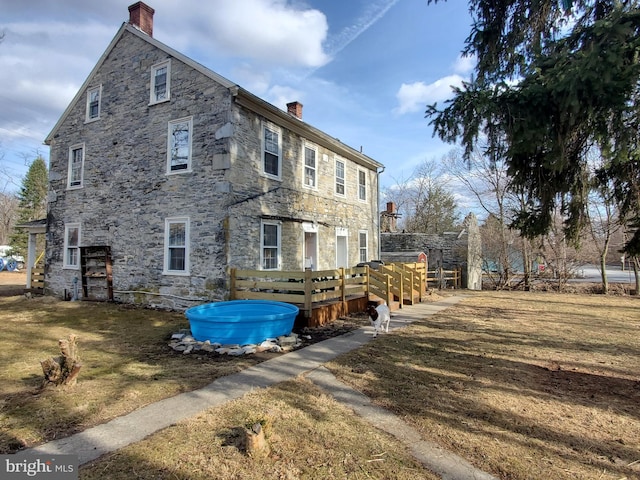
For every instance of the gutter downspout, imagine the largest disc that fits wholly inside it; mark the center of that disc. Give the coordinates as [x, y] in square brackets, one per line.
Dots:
[378, 212]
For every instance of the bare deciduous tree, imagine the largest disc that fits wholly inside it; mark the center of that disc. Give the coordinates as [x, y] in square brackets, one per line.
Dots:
[424, 200]
[488, 182]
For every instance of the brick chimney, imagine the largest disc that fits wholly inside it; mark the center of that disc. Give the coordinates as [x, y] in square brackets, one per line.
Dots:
[141, 16]
[295, 109]
[389, 218]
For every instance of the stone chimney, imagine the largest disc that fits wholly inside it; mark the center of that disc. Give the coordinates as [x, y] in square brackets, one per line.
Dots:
[141, 16]
[295, 109]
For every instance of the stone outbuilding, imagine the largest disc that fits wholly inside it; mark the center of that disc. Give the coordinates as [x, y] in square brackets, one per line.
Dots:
[461, 249]
[164, 174]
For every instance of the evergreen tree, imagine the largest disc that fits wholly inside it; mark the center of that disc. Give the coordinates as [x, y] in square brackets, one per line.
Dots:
[553, 78]
[33, 203]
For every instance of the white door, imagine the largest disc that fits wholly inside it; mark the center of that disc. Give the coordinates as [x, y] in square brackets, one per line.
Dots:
[311, 250]
[342, 252]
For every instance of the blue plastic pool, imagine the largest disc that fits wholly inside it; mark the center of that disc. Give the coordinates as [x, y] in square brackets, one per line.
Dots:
[241, 322]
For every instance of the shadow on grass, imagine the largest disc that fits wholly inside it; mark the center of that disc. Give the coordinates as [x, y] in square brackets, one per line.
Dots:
[126, 364]
[463, 368]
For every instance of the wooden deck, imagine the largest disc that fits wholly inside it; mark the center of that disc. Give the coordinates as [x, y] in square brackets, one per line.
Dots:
[326, 295]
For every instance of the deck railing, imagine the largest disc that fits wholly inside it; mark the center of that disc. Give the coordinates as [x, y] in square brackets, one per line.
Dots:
[405, 283]
[302, 288]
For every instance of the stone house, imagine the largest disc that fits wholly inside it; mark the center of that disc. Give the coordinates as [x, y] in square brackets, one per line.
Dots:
[178, 174]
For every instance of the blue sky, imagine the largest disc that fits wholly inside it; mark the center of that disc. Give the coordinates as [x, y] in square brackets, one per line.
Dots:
[363, 69]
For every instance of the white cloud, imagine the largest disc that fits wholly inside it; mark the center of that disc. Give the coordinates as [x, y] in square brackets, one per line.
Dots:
[464, 65]
[413, 97]
[250, 78]
[271, 31]
[42, 66]
[279, 96]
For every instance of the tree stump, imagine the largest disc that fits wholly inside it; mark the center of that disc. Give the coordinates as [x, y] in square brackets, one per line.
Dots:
[255, 441]
[64, 369]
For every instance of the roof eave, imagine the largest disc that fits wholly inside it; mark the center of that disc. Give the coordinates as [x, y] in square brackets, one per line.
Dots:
[271, 112]
[127, 27]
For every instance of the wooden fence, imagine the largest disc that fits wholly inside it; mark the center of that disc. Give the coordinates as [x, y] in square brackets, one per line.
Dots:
[37, 279]
[441, 278]
[301, 288]
[397, 283]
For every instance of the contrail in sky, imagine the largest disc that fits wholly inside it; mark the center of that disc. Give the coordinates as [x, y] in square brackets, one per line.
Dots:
[374, 12]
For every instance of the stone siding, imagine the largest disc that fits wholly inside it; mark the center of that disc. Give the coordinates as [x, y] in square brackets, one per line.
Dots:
[127, 194]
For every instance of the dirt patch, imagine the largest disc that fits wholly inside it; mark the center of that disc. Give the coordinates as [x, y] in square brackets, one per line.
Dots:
[12, 283]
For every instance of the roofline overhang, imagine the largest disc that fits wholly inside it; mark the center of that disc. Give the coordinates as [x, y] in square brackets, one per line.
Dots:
[242, 97]
[127, 27]
[280, 117]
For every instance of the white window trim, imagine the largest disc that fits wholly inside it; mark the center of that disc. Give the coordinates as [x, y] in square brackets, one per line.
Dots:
[278, 245]
[366, 246]
[335, 176]
[70, 163]
[278, 130]
[366, 192]
[188, 120]
[65, 262]
[310, 146]
[88, 119]
[152, 83]
[187, 241]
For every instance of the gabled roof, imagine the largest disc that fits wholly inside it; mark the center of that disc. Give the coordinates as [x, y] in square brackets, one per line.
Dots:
[127, 27]
[243, 97]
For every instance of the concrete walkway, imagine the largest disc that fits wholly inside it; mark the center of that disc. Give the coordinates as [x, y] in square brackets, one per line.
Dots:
[120, 432]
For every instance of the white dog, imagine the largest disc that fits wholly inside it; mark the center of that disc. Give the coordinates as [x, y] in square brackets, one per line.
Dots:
[379, 317]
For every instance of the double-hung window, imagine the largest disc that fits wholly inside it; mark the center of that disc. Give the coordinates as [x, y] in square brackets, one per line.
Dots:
[93, 103]
[179, 145]
[71, 246]
[176, 246]
[310, 166]
[340, 177]
[271, 151]
[362, 245]
[76, 166]
[270, 246]
[362, 185]
[160, 82]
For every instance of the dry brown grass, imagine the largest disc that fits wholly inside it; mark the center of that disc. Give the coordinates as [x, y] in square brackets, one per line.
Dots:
[126, 364]
[526, 386]
[310, 435]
